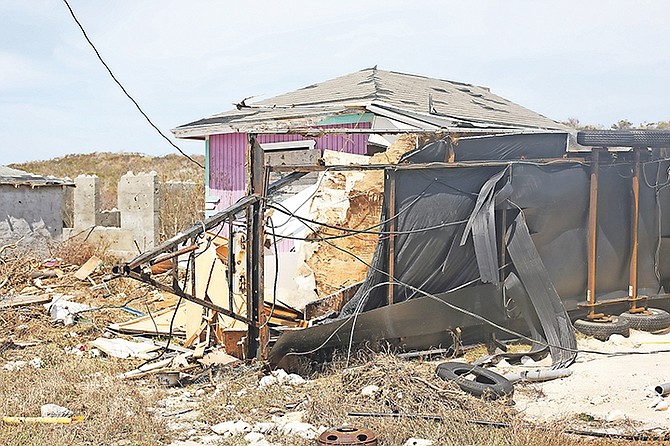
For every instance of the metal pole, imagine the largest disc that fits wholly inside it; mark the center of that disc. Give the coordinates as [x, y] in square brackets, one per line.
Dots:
[390, 186]
[593, 237]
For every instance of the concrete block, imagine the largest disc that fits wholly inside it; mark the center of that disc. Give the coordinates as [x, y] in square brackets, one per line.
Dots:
[139, 206]
[86, 201]
[110, 219]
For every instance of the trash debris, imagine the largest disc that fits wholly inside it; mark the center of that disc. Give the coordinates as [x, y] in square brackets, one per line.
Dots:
[55, 411]
[348, 435]
[662, 405]
[121, 348]
[45, 420]
[280, 377]
[218, 357]
[12, 366]
[62, 310]
[538, 375]
[418, 442]
[36, 363]
[370, 390]
[168, 378]
[663, 389]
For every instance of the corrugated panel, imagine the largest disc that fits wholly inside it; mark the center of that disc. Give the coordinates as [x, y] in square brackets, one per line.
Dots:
[227, 155]
[227, 175]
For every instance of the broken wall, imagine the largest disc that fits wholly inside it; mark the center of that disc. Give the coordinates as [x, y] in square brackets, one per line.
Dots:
[123, 232]
[31, 214]
[349, 199]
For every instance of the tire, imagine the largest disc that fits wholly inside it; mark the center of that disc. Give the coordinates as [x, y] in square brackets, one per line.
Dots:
[486, 384]
[656, 321]
[624, 138]
[603, 330]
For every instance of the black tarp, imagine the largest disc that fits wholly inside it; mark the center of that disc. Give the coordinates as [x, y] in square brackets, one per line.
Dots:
[449, 227]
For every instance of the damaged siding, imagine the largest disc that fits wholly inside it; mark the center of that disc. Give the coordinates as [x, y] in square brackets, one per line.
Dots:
[227, 156]
[227, 177]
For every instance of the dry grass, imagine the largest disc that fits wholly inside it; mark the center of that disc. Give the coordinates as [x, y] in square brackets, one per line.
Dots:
[407, 387]
[120, 412]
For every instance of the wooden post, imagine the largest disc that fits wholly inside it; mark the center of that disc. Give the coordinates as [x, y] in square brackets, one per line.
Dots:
[255, 248]
[634, 242]
[593, 237]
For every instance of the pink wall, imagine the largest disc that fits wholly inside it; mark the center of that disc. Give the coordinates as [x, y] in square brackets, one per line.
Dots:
[227, 155]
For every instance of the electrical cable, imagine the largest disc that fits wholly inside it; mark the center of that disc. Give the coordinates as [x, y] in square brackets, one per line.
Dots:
[109, 70]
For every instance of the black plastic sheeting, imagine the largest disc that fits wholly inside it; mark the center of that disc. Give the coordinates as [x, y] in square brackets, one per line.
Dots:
[449, 229]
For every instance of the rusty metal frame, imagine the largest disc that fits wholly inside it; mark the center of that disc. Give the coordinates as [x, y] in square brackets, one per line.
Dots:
[139, 267]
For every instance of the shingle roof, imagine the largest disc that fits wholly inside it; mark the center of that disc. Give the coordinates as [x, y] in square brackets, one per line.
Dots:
[18, 177]
[452, 104]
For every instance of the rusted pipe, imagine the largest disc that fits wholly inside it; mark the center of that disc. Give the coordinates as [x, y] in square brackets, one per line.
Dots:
[170, 255]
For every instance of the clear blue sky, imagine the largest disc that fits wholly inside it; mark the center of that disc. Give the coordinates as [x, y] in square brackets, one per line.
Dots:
[599, 61]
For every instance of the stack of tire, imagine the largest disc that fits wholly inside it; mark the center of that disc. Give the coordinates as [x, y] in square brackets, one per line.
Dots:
[652, 320]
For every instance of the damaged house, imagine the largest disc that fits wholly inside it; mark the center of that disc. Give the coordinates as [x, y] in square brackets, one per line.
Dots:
[438, 215]
[31, 207]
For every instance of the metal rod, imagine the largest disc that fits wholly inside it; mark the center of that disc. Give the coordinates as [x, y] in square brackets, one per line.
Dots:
[390, 186]
[592, 237]
[189, 233]
[635, 219]
[177, 291]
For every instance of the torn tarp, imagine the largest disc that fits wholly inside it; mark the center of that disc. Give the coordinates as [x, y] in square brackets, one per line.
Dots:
[541, 210]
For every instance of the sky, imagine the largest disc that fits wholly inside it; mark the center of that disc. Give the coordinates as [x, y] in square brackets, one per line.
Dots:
[598, 61]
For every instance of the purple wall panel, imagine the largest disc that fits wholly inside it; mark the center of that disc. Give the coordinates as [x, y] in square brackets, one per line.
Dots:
[227, 175]
[227, 155]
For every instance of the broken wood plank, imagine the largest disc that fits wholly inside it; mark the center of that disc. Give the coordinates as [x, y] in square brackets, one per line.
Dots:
[23, 300]
[87, 268]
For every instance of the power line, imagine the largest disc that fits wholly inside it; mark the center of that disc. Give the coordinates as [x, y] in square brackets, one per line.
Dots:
[109, 70]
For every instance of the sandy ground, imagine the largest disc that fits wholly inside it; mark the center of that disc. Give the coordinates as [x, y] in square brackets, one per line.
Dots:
[609, 388]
